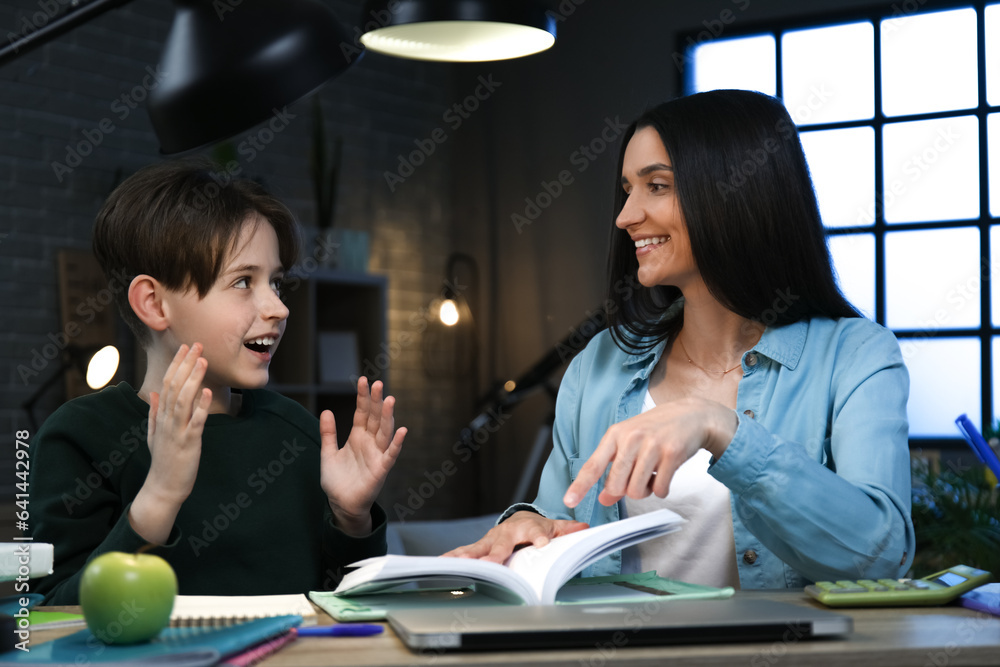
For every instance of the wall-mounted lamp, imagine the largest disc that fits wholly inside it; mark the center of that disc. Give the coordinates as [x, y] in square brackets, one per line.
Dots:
[448, 312]
[222, 74]
[450, 344]
[97, 364]
[459, 30]
[83, 347]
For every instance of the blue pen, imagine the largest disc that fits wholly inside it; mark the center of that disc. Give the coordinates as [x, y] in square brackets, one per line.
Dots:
[361, 630]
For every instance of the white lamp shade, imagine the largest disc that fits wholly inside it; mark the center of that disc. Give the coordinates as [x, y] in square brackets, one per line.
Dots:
[459, 41]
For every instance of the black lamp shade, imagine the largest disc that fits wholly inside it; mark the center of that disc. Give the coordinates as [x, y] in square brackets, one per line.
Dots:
[229, 66]
[458, 30]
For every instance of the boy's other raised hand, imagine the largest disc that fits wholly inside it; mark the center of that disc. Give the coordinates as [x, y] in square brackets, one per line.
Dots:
[352, 475]
[177, 417]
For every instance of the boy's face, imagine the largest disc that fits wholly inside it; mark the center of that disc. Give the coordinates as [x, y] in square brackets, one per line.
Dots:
[242, 318]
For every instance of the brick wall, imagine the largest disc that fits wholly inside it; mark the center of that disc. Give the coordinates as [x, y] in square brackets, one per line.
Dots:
[70, 92]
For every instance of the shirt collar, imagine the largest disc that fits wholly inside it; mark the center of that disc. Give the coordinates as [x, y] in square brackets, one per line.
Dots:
[647, 358]
[783, 344]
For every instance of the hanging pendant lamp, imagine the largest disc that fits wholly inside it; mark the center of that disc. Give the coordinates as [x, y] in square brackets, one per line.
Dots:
[458, 30]
[228, 66]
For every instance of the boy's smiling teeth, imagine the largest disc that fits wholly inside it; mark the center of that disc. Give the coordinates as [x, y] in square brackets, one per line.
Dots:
[261, 344]
[641, 243]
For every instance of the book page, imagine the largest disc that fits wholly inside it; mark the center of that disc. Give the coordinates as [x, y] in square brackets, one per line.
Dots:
[381, 572]
[547, 568]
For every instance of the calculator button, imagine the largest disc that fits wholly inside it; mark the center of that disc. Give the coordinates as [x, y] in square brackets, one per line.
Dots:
[923, 585]
[873, 585]
[825, 585]
[848, 587]
[894, 585]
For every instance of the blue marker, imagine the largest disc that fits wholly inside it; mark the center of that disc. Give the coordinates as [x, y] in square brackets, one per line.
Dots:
[344, 630]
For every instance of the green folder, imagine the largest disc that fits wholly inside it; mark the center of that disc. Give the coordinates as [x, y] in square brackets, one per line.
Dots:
[174, 647]
[616, 589]
[53, 620]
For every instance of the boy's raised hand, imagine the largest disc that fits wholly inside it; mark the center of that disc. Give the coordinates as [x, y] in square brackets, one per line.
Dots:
[353, 475]
[177, 417]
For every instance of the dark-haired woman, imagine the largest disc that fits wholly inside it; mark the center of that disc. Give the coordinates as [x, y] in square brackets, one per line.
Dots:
[736, 386]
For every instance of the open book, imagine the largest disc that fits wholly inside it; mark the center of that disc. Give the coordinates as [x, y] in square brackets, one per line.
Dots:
[533, 575]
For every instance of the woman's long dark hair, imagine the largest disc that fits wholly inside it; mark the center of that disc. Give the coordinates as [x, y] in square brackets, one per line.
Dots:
[751, 213]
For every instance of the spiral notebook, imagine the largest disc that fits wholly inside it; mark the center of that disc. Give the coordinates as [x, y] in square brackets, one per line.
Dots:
[221, 610]
[173, 647]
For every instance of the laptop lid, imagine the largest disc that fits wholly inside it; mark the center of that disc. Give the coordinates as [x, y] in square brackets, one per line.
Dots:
[650, 623]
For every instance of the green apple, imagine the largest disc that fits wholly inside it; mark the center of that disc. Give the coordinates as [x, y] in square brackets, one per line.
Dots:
[127, 598]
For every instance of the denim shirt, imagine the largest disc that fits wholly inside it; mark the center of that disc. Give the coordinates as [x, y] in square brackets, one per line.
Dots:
[819, 467]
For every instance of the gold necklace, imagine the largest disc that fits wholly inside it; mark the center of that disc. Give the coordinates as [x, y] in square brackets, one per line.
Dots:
[701, 368]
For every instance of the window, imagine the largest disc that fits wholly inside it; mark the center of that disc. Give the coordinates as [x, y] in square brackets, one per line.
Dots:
[903, 143]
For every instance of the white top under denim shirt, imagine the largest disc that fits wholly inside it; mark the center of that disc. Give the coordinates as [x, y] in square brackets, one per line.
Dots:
[819, 468]
[704, 551]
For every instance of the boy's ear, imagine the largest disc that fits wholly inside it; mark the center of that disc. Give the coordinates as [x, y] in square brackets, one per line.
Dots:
[145, 295]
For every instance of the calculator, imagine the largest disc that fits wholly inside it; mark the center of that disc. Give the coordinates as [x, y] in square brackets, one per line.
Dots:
[936, 589]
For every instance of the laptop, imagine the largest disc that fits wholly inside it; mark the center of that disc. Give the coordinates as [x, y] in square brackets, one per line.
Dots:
[650, 623]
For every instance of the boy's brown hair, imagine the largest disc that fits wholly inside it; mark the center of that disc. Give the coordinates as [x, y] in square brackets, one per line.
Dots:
[177, 221]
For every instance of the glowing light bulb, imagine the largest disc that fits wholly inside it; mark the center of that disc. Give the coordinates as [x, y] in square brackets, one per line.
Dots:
[448, 312]
[102, 367]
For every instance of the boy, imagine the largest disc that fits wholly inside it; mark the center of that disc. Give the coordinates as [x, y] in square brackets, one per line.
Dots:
[243, 492]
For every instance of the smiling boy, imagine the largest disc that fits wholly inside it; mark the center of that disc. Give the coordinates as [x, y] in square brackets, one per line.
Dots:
[240, 489]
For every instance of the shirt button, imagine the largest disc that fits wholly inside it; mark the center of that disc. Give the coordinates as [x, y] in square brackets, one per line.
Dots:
[751, 360]
[749, 413]
[749, 556]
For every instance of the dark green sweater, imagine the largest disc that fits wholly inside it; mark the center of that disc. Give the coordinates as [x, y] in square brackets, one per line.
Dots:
[257, 521]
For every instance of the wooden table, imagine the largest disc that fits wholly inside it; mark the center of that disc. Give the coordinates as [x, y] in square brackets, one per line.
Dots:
[920, 636]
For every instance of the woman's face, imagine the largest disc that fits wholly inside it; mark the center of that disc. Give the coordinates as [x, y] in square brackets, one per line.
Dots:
[652, 214]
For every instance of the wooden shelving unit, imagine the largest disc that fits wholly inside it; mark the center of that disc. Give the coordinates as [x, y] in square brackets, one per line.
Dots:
[340, 303]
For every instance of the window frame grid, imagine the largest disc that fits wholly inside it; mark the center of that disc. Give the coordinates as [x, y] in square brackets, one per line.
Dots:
[687, 41]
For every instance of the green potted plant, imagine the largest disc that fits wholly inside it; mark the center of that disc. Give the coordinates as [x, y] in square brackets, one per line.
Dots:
[956, 516]
[345, 249]
[324, 167]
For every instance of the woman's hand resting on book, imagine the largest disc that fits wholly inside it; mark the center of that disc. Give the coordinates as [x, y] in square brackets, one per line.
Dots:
[522, 528]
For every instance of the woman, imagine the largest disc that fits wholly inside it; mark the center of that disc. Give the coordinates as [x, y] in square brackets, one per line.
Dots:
[736, 385]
